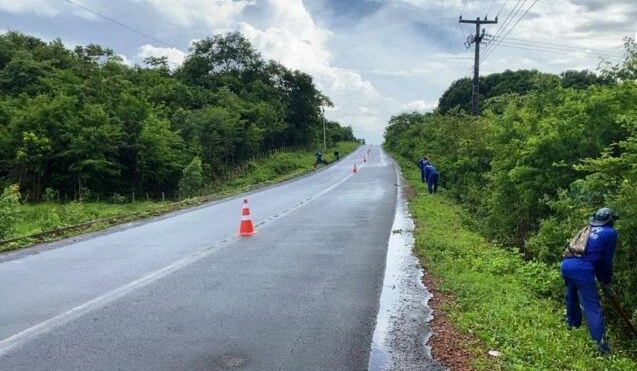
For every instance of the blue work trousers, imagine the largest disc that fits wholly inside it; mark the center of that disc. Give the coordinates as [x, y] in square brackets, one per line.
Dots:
[432, 183]
[583, 295]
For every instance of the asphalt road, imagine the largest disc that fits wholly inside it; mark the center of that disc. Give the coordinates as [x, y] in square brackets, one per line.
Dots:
[184, 292]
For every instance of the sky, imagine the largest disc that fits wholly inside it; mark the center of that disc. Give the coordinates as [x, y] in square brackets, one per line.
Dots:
[374, 58]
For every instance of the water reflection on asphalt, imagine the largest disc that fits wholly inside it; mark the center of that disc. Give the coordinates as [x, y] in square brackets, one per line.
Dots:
[402, 330]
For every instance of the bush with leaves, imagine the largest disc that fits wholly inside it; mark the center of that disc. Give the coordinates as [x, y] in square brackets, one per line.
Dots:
[9, 202]
[192, 179]
[533, 170]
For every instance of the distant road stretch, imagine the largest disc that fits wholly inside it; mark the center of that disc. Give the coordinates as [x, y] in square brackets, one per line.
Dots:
[184, 292]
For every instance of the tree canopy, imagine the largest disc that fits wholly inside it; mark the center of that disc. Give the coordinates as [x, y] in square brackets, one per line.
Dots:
[81, 121]
[521, 82]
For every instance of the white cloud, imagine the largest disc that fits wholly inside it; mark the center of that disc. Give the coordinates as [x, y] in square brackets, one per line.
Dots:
[126, 61]
[420, 105]
[48, 8]
[175, 57]
[297, 42]
[293, 50]
[39, 7]
[436, 3]
[216, 14]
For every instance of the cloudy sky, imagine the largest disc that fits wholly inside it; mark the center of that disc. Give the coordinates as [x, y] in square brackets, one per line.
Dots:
[373, 58]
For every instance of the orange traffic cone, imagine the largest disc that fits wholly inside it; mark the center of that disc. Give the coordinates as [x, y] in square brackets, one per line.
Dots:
[246, 228]
[354, 169]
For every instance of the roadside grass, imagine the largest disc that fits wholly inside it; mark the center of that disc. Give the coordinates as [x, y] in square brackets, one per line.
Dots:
[51, 221]
[282, 166]
[511, 306]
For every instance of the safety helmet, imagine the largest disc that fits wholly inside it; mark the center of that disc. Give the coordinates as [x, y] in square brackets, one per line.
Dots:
[602, 216]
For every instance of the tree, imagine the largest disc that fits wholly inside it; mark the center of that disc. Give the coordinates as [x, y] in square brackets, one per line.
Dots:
[31, 158]
[304, 102]
[92, 149]
[81, 119]
[23, 74]
[223, 60]
[160, 155]
[627, 69]
[581, 79]
[458, 95]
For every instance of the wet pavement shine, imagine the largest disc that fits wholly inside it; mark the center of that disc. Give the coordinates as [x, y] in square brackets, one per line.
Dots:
[402, 325]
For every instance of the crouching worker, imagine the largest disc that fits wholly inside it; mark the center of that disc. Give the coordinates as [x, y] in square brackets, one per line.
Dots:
[319, 158]
[431, 174]
[581, 270]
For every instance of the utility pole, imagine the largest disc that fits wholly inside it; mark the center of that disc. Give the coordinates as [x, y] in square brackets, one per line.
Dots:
[476, 65]
[324, 141]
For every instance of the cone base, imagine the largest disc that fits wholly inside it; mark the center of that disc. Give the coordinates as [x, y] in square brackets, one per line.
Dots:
[246, 228]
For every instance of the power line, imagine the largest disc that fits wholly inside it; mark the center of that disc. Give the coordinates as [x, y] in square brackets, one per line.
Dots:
[511, 29]
[491, 6]
[452, 37]
[464, 4]
[503, 5]
[120, 23]
[519, 19]
[558, 46]
[510, 44]
[506, 22]
[509, 18]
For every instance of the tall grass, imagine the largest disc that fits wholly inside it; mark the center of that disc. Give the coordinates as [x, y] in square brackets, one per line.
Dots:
[512, 306]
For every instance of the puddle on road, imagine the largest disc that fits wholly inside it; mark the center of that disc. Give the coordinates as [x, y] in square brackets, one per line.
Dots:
[402, 330]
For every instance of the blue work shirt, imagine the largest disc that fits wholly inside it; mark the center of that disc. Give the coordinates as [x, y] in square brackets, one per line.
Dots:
[422, 163]
[598, 257]
[430, 170]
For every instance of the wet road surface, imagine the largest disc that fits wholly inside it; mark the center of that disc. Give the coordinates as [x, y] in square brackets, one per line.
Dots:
[184, 292]
[402, 324]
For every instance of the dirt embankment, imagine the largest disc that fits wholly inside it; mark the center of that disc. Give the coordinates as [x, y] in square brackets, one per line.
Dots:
[448, 346]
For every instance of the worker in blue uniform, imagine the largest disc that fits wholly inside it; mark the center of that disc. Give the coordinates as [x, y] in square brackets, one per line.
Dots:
[424, 161]
[431, 174]
[580, 273]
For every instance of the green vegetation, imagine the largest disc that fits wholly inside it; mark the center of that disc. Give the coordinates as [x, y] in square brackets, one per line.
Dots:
[89, 137]
[529, 172]
[521, 82]
[9, 204]
[23, 223]
[509, 304]
[80, 125]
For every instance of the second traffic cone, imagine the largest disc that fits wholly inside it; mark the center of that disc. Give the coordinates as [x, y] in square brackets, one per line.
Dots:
[354, 169]
[246, 228]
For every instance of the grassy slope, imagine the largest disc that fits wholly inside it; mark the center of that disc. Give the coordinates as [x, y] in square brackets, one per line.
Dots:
[498, 298]
[50, 216]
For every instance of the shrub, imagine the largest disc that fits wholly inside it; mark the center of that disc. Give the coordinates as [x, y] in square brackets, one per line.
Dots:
[50, 195]
[9, 216]
[74, 213]
[192, 179]
[118, 199]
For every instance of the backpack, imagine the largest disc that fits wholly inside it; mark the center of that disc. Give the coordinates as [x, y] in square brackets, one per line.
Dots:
[577, 245]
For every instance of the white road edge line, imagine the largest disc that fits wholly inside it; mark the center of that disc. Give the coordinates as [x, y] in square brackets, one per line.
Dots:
[8, 344]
